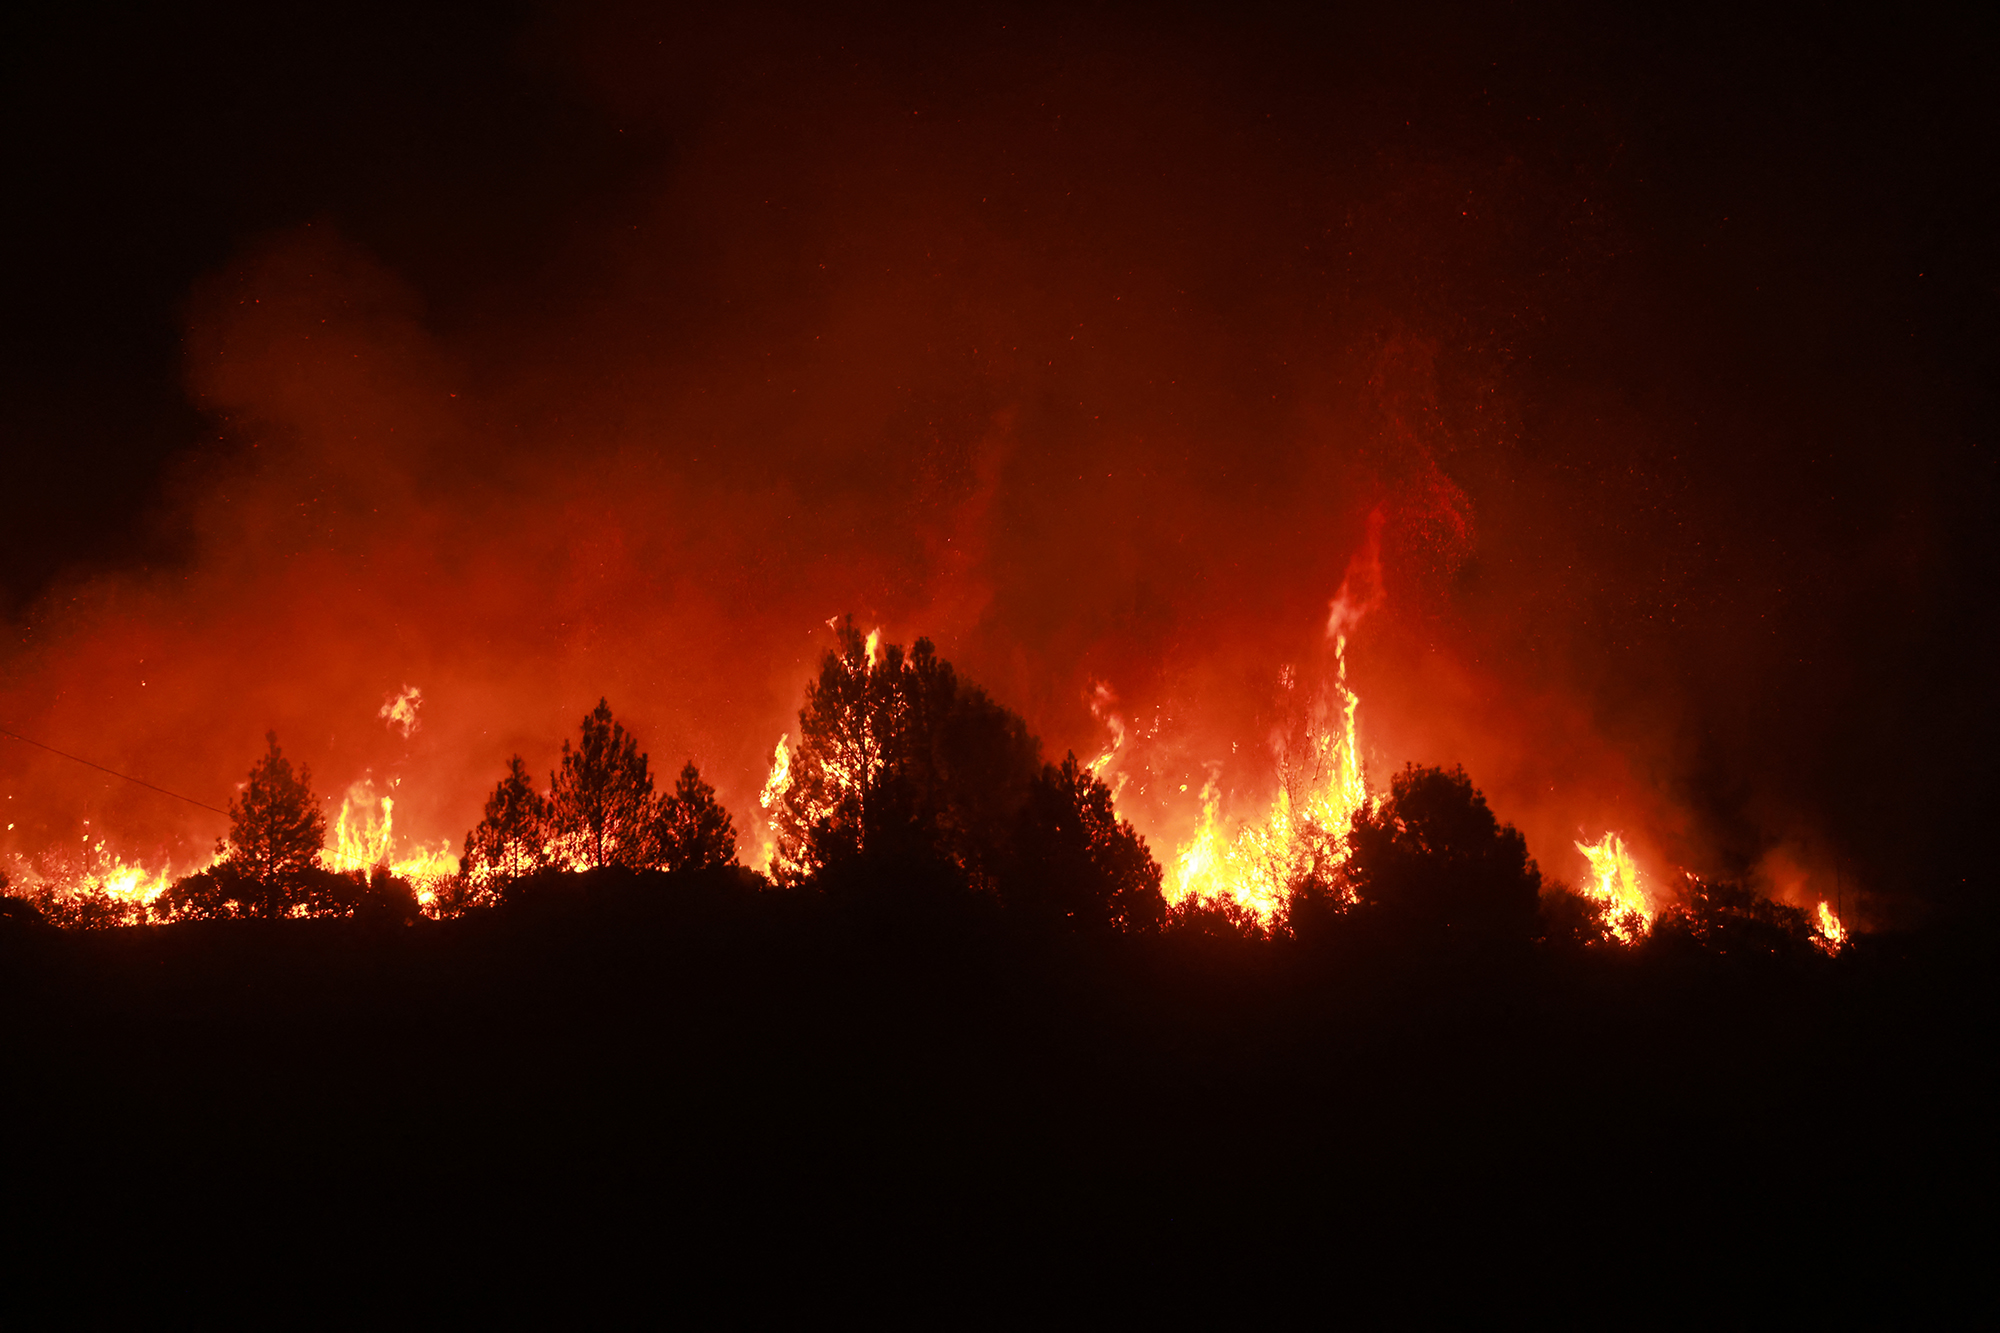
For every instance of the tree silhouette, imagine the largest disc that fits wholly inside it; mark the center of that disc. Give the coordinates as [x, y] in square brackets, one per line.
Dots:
[836, 769]
[1212, 920]
[1431, 856]
[1075, 862]
[1574, 920]
[512, 839]
[899, 761]
[694, 832]
[276, 831]
[601, 796]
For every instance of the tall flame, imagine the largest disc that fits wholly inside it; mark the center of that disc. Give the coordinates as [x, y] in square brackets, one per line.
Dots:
[1614, 882]
[1831, 935]
[364, 838]
[1304, 833]
[774, 791]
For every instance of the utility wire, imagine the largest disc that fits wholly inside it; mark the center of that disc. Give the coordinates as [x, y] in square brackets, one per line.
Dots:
[112, 771]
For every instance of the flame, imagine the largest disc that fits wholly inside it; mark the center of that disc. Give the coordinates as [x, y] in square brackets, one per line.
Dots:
[134, 883]
[1831, 935]
[401, 711]
[95, 884]
[1304, 832]
[874, 646]
[1614, 882]
[1101, 700]
[364, 838]
[781, 774]
[775, 788]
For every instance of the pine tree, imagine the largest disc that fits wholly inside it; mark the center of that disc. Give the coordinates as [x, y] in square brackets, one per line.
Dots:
[694, 831]
[276, 831]
[512, 840]
[601, 797]
[898, 761]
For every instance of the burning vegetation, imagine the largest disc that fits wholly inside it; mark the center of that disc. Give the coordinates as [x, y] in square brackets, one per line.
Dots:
[906, 780]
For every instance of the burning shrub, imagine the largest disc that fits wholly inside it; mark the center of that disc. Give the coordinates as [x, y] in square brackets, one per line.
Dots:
[1731, 919]
[1212, 918]
[79, 907]
[386, 898]
[1431, 857]
[17, 913]
[227, 889]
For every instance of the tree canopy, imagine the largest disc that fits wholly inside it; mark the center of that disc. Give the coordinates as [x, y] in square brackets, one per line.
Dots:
[1431, 856]
[692, 830]
[276, 831]
[601, 810]
[899, 761]
[512, 839]
[1075, 861]
[601, 796]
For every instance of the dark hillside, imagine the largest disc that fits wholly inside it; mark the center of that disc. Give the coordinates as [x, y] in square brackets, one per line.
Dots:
[677, 1081]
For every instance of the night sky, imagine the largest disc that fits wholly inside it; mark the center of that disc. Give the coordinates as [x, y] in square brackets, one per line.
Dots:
[526, 356]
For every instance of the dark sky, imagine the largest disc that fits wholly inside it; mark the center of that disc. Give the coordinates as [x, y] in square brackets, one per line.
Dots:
[534, 355]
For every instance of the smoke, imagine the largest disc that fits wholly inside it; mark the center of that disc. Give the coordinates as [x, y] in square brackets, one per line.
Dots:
[1094, 356]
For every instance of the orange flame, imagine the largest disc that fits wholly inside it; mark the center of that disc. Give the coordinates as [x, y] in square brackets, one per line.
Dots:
[1302, 835]
[364, 838]
[775, 788]
[95, 884]
[1831, 935]
[1614, 882]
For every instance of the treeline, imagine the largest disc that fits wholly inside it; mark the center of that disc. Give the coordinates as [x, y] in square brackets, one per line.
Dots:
[911, 789]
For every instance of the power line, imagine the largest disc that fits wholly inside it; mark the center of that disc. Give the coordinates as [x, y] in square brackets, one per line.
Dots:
[112, 771]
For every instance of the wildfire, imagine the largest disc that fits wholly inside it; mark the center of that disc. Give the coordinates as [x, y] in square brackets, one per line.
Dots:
[94, 886]
[1831, 935]
[1303, 835]
[775, 786]
[364, 837]
[1614, 882]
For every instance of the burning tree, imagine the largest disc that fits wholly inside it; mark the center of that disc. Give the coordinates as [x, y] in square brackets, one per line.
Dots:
[601, 797]
[897, 760]
[512, 838]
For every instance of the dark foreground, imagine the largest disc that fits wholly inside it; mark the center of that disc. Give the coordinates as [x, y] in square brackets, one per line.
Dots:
[664, 1099]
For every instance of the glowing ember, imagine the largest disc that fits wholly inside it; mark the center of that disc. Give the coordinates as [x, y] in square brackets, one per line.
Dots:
[1614, 883]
